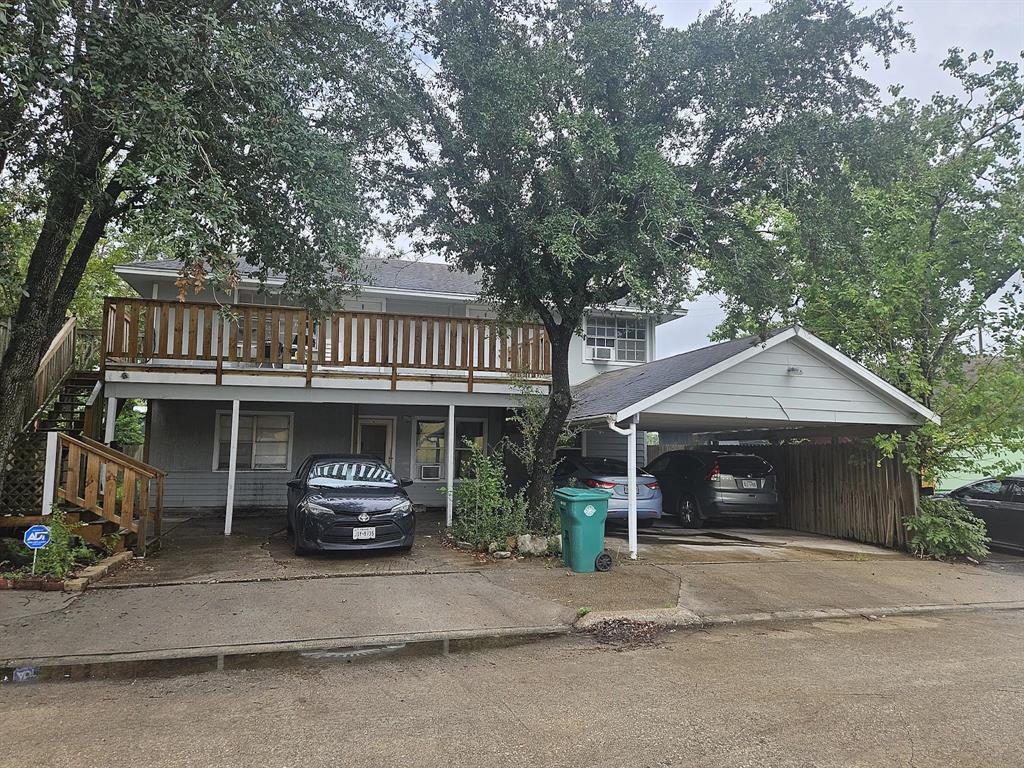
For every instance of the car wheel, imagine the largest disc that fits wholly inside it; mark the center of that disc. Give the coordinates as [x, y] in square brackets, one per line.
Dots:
[689, 513]
[297, 546]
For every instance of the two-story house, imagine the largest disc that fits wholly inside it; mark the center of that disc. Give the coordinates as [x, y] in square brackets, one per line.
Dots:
[409, 367]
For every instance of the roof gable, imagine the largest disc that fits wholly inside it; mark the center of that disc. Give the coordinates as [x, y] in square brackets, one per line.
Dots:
[789, 377]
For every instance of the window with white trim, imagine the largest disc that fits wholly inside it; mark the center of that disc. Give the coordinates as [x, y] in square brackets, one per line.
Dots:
[264, 440]
[616, 339]
[430, 456]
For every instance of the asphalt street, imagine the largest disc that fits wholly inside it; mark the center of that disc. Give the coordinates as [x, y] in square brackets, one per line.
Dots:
[931, 690]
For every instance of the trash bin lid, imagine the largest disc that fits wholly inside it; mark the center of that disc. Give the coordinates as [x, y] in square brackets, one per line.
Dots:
[582, 494]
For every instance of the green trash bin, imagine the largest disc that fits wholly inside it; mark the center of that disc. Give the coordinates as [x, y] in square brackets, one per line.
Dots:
[583, 513]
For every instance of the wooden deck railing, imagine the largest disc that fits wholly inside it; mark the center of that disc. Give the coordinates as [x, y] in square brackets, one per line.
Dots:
[112, 485]
[162, 334]
[56, 363]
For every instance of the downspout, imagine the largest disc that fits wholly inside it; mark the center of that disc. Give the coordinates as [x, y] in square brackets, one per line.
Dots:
[630, 434]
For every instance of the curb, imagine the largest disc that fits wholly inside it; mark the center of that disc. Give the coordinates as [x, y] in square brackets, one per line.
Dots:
[308, 644]
[681, 617]
[88, 575]
[296, 577]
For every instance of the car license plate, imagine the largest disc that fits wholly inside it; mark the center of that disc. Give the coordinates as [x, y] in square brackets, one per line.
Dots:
[749, 483]
[364, 533]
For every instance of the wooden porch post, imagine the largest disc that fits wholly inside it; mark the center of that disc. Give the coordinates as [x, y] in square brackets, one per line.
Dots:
[229, 507]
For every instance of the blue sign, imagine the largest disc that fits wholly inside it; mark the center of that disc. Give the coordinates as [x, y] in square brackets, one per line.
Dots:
[37, 537]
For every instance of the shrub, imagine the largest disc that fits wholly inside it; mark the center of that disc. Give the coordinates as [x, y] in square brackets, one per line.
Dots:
[485, 511]
[65, 552]
[944, 528]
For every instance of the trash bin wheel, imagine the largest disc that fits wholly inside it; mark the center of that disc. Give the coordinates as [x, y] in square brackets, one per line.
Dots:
[603, 562]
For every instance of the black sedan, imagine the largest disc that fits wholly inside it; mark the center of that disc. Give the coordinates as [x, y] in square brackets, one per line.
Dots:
[348, 502]
[1000, 503]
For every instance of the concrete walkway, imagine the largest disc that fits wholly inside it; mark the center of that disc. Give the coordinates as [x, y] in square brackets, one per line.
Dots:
[242, 617]
[206, 594]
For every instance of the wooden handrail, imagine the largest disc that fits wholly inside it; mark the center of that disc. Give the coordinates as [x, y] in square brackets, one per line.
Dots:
[65, 330]
[54, 366]
[109, 484]
[109, 453]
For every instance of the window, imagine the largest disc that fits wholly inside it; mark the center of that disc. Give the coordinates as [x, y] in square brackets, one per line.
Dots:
[264, 441]
[430, 449]
[1017, 491]
[986, 489]
[617, 339]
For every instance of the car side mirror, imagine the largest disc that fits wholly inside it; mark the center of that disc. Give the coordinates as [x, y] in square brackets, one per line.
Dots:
[295, 483]
[405, 482]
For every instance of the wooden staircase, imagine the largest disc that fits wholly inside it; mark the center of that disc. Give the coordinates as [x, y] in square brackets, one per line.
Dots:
[57, 459]
[75, 406]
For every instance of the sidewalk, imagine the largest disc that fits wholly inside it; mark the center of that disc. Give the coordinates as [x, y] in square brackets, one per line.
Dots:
[248, 617]
[248, 594]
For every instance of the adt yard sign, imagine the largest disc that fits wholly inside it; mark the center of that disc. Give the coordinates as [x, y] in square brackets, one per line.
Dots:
[37, 537]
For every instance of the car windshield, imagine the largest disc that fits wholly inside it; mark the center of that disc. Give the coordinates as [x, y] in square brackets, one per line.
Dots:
[744, 465]
[341, 473]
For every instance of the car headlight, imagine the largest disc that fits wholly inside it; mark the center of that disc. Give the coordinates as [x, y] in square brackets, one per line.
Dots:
[316, 509]
[403, 507]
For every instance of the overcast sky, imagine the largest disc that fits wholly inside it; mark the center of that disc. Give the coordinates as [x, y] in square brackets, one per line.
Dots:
[937, 25]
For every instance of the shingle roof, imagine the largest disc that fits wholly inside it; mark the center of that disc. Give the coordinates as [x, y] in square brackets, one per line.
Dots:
[613, 391]
[399, 274]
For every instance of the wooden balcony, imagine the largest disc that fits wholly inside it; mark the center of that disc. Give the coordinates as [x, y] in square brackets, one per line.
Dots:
[192, 337]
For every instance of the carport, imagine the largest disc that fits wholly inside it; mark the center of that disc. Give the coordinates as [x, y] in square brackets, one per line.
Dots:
[788, 385]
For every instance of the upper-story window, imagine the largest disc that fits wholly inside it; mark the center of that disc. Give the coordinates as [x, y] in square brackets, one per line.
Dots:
[617, 339]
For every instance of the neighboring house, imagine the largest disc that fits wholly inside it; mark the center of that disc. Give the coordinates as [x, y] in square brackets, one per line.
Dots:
[410, 357]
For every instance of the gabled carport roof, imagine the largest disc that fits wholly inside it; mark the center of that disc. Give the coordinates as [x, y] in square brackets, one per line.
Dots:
[623, 394]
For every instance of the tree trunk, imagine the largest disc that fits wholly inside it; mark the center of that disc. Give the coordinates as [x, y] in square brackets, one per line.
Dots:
[538, 492]
[30, 332]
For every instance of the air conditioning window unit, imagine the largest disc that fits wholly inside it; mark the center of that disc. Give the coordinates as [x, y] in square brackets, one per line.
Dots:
[430, 471]
[601, 353]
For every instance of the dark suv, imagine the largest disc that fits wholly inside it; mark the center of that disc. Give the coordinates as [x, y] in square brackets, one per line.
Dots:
[699, 485]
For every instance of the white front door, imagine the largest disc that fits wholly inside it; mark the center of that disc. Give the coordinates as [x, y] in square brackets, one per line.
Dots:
[375, 436]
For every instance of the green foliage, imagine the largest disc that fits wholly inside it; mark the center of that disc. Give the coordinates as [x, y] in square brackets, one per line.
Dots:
[260, 130]
[65, 552]
[587, 153]
[945, 528]
[130, 427]
[901, 273]
[485, 511]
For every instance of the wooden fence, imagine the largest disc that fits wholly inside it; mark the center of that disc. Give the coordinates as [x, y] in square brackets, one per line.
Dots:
[848, 490]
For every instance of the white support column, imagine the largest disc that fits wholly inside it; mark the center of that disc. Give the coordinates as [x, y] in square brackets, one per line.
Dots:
[631, 488]
[630, 434]
[111, 419]
[229, 507]
[50, 472]
[450, 465]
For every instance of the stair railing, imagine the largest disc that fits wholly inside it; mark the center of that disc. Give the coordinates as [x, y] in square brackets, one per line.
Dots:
[98, 479]
[57, 362]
